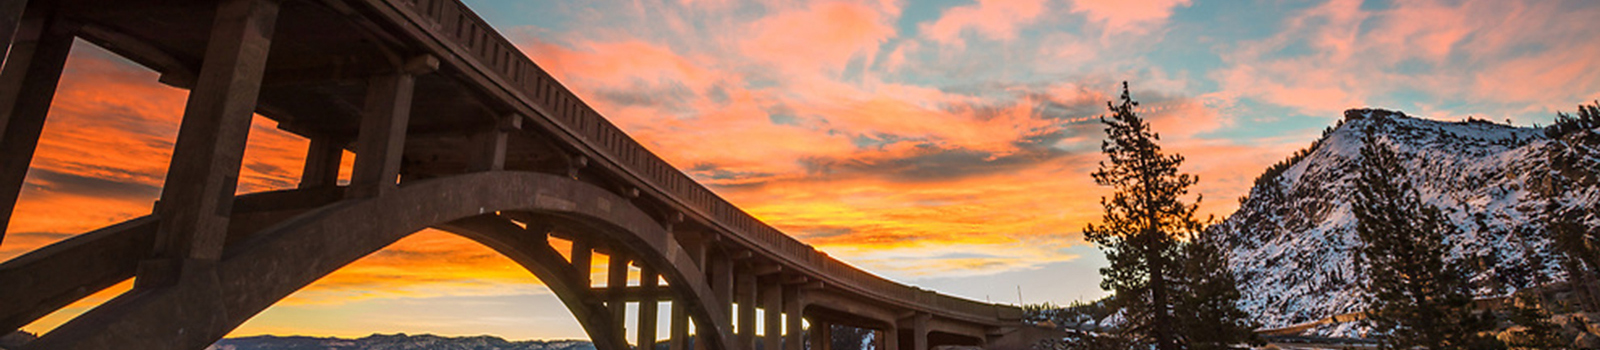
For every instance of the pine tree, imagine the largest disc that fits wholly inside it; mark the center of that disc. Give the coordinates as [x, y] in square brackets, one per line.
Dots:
[1140, 227]
[1418, 299]
[1208, 313]
[1538, 331]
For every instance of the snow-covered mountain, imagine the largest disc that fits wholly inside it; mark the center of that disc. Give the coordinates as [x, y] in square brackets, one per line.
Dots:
[394, 342]
[1293, 238]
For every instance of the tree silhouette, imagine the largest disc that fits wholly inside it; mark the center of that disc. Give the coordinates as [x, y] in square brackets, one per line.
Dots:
[1140, 227]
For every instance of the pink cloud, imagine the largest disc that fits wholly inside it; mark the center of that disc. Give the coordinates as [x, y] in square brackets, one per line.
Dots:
[993, 19]
[1127, 16]
[1492, 52]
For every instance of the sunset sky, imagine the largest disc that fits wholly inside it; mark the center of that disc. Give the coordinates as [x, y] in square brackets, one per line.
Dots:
[944, 144]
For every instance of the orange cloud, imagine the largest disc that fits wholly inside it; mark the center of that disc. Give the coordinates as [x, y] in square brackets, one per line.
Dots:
[824, 36]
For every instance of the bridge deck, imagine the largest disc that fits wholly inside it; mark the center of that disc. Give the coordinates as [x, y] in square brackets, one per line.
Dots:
[324, 51]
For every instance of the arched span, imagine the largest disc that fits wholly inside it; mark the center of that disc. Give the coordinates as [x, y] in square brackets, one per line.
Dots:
[209, 301]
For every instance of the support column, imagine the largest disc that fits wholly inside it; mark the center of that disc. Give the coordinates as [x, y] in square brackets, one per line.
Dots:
[583, 261]
[383, 135]
[680, 326]
[821, 335]
[793, 307]
[490, 152]
[648, 308]
[722, 282]
[322, 163]
[772, 310]
[919, 331]
[747, 310]
[10, 17]
[891, 337]
[27, 85]
[198, 195]
[617, 287]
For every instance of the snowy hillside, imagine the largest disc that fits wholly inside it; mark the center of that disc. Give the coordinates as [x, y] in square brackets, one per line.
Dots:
[1293, 238]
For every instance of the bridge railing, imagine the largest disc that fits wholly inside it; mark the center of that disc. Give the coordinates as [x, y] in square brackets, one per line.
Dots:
[502, 58]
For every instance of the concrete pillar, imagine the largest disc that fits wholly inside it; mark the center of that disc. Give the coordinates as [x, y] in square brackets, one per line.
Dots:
[583, 261]
[891, 337]
[821, 335]
[10, 17]
[617, 287]
[722, 281]
[198, 195]
[680, 326]
[747, 310]
[27, 85]
[322, 163]
[772, 310]
[648, 305]
[383, 135]
[490, 145]
[919, 331]
[793, 307]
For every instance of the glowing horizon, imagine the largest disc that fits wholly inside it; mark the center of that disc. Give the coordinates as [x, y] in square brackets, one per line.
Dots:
[945, 144]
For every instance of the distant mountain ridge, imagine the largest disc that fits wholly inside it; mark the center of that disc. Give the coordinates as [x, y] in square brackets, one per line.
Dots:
[395, 342]
[1293, 237]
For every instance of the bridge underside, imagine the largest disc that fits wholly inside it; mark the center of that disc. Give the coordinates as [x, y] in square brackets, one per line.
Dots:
[453, 128]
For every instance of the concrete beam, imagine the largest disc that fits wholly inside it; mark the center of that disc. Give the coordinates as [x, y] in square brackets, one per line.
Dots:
[10, 17]
[27, 84]
[765, 269]
[489, 151]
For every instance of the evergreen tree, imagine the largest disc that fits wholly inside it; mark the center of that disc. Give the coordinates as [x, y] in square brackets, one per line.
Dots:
[1418, 299]
[1537, 332]
[1579, 250]
[1140, 227]
[1588, 119]
[1208, 313]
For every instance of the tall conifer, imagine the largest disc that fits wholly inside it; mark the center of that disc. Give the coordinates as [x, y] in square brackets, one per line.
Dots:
[1141, 224]
[1418, 299]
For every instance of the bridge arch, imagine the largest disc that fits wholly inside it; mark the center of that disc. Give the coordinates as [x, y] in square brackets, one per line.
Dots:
[273, 263]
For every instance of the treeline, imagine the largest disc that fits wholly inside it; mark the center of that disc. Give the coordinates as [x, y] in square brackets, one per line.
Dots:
[1588, 119]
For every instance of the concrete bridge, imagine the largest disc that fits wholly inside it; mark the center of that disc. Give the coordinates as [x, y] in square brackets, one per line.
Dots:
[453, 128]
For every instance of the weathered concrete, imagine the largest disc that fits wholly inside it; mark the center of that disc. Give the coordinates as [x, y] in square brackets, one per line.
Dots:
[204, 173]
[273, 264]
[28, 82]
[52, 277]
[383, 135]
[648, 308]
